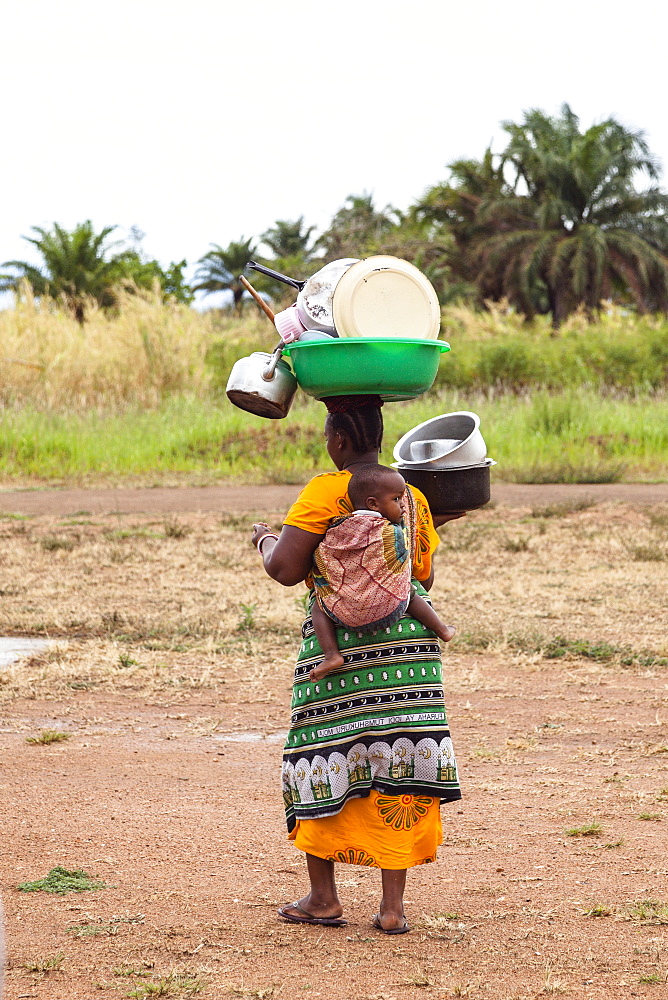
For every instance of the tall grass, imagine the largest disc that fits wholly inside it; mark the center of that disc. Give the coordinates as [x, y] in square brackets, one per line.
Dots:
[498, 351]
[138, 356]
[572, 437]
[141, 394]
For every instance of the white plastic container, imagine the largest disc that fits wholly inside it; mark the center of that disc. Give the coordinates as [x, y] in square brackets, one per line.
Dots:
[385, 296]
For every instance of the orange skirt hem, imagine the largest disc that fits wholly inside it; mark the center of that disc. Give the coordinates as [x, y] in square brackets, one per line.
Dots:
[378, 831]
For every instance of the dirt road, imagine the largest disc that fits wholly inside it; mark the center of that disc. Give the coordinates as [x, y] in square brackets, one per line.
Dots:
[171, 679]
[237, 499]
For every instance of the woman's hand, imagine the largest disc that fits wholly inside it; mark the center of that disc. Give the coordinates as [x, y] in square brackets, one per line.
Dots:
[259, 531]
[287, 560]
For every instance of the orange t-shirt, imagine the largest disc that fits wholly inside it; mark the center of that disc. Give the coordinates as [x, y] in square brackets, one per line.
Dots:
[326, 497]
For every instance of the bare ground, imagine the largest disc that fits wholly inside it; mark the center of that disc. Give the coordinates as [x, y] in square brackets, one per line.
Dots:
[233, 499]
[171, 674]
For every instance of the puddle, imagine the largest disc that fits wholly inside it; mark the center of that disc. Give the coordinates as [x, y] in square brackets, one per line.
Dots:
[251, 737]
[13, 648]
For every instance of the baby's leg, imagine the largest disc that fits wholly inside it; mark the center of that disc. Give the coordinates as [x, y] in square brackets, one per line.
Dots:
[425, 614]
[325, 631]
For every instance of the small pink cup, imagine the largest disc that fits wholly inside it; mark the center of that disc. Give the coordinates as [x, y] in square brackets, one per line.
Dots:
[289, 325]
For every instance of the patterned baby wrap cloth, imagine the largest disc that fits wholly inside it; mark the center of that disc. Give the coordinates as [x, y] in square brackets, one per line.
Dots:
[362, 568]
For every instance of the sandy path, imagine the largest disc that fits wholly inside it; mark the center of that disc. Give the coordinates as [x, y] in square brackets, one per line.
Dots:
[236, 499]
[172, 802]
[167, 787]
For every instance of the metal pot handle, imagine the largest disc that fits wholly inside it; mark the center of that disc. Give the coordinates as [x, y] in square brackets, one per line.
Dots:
[270, 368]
[276, 274]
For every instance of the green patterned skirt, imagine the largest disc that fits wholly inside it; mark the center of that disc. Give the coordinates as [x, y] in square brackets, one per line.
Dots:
[379, 722]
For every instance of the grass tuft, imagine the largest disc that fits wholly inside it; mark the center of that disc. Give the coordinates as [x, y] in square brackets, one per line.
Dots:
[564, 508]
[248, 619]
[93, 930]
[173, 985]
[592, 829]
[648, 553]
[649, 911]
[175, 529]
[45, 965]
[60, 881]
[53, 543]
[600, 910]
[49, 736]
[125, 660]
[516, 544]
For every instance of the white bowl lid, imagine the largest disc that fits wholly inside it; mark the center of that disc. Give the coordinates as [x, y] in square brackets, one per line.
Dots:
[385, 296]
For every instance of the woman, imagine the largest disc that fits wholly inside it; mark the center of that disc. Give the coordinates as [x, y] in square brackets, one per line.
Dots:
[368, 758]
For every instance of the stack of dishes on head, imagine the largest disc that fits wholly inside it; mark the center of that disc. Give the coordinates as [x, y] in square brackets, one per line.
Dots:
[446, 458]
[373, 328]
[358, 327]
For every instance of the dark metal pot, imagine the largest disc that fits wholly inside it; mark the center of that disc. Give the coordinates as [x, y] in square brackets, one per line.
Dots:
[451, 491]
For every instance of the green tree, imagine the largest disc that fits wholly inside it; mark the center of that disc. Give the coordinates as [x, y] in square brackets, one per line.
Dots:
[556, 222]
[291, 252]
[80, 265]
[76, 266]
[145, 273]
[219, 269]
[289, 239]
[357, 229]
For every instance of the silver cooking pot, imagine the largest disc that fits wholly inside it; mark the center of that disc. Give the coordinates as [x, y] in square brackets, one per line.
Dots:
[262, 384]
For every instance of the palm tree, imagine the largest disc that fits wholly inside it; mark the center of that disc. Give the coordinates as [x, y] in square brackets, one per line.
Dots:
[289, 239]
[357, 229]
[557, 223]
[76, 266]
[220, 268]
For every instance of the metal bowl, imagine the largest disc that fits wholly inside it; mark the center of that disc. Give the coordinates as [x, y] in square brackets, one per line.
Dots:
[449, 441]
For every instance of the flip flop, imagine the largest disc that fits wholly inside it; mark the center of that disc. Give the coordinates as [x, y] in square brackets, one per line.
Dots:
[304, 917]
[404, 929]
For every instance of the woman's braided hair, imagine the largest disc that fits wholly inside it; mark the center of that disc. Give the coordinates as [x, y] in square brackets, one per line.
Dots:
[359, 417]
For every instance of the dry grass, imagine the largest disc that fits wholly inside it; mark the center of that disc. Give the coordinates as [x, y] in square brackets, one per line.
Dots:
[138, 605]
[137, 356]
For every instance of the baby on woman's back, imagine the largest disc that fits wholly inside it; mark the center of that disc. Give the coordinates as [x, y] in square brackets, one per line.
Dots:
[363, 566]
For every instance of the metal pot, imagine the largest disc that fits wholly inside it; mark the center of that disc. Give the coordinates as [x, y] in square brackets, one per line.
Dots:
[262, 384]
[449, 441]
[315, 299]
[451, 491]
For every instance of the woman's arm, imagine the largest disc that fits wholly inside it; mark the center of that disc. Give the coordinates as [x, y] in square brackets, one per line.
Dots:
[288, 558]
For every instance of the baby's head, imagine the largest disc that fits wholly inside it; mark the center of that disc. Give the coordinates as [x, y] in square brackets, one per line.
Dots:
[377, 487]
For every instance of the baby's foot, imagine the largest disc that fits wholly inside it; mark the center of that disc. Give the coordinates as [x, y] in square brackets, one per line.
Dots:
[447, 633]
[333, 661]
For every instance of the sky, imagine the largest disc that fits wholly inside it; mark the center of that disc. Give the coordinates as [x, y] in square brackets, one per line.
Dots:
[206, 122]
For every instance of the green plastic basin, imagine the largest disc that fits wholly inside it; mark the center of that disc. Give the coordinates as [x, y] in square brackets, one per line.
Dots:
[391, 367]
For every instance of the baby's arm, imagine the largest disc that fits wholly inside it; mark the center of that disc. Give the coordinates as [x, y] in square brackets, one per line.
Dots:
[425, 614]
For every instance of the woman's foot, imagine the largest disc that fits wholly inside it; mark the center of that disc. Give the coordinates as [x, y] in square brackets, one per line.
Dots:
[330, 662]
[390, 917]
[391, 923]
[309, 911]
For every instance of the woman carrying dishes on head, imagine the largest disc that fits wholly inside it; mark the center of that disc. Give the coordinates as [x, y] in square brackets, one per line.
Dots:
[368, 758]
